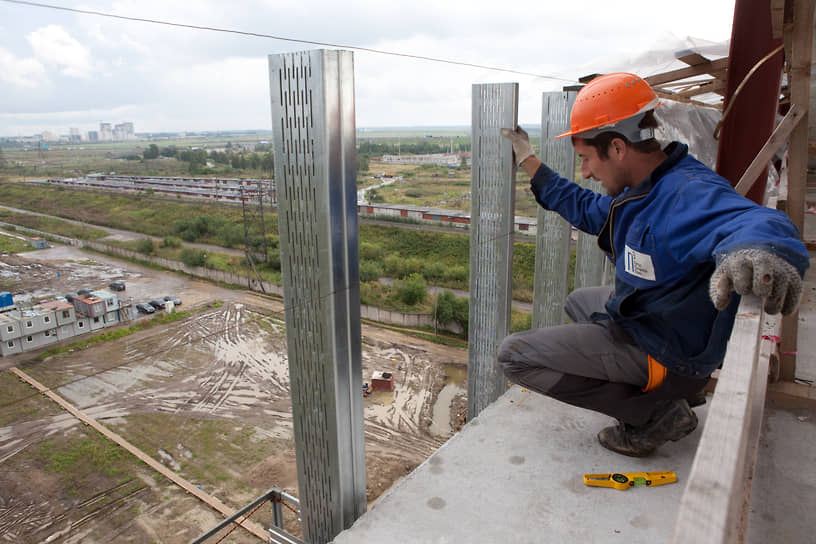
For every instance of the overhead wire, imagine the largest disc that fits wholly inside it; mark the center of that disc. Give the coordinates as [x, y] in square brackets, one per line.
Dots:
[286, 39]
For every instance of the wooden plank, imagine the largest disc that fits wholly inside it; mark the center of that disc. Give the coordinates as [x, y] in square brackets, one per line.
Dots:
[692, 58]
[715, 68]
[792, 389]
[672, 96]
[777, 18]
[713, 502]
[799, 77]
[712, 86]
[774, 143]
[139, 454]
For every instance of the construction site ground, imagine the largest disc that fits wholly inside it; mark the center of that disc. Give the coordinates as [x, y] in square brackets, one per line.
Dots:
[207, 395]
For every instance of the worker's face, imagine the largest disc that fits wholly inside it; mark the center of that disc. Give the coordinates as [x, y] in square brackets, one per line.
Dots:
[607, 170]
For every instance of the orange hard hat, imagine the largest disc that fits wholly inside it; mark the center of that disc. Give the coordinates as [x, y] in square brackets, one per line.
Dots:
[606, 101]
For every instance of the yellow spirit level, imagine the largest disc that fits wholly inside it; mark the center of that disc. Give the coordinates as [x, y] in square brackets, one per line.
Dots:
[630, 479]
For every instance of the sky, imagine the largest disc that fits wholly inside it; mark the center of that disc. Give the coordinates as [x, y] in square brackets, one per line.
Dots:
[61, 69]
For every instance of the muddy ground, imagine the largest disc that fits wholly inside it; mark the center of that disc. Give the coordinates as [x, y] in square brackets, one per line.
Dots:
[208, 396]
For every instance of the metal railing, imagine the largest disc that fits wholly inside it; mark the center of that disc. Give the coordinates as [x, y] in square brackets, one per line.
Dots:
[277, 532]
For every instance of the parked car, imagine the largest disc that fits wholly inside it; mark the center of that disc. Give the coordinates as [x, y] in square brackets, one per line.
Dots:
[84, 291]
[117, 285]
[174, 299]
[145, 308]
[69, 297]
[158, 304]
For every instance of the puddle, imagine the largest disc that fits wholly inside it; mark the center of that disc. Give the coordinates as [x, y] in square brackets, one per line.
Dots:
[454, 386]
[440, 424]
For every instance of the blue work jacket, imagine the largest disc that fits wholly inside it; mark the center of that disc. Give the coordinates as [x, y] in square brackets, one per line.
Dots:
[665, 236]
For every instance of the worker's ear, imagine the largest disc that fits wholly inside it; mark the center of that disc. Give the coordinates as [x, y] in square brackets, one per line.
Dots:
[617, 148]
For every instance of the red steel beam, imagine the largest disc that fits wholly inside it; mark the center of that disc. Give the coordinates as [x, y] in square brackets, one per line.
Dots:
[751, 118]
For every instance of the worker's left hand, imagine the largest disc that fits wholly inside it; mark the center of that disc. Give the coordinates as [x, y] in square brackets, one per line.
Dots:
[521, 143]
[757, 272]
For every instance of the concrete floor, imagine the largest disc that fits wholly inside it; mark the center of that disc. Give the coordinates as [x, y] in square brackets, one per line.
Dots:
[515, 474]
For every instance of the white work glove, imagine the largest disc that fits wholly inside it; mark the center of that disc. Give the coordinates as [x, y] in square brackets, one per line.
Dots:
[757, 272]
[521, 143]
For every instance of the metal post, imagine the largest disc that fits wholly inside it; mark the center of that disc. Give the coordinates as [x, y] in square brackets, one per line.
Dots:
[551, 283]
[276, 496]
[589, 259]
[312, 96]
[492, 215]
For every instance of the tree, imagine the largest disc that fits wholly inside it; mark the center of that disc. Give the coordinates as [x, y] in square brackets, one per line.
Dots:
[146, 246]
[193, 257]
[169, 151]
[268, 163]
[445, 307]
[362, 163]
[3, 161]
[152, 152]
[450, 308]
[413, 289]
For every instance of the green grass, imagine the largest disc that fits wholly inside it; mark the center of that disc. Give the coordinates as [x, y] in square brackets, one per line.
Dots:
[215, 445]
[81, 456]
[51, 225]
[20, 402]
[11, 244]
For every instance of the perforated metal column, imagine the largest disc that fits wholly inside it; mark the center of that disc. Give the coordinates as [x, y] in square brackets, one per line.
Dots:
[312, 96]
[492, 185]
[551, 283]
[589, 259]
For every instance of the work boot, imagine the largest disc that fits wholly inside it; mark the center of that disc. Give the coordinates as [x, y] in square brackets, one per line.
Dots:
[672, 420]
[697, 399]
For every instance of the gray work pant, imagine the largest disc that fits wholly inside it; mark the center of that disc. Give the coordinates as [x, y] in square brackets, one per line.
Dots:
[592, 363]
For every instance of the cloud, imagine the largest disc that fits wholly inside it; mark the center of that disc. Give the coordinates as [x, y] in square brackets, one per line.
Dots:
[54, 46]
[25, 73]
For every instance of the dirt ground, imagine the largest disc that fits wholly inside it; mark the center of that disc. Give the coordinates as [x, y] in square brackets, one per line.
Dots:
[207, 395]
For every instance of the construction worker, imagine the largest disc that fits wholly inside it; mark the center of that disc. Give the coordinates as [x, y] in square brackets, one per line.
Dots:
[681, 240]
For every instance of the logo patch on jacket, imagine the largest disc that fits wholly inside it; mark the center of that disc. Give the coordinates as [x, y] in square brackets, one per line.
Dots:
[639, 264]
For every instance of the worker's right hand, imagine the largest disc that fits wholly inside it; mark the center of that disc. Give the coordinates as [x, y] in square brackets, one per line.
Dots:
[755, 271]
[521, 143]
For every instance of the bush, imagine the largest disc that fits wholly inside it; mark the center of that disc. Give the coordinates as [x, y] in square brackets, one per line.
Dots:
[233, 235]
[273, 259]
[460, 273]
[370, 271]
[399, 267]
[146, 246]
[171, 241]
[193, 257]
[434, 270]
[449, 308]
[412, 290]
[445, 307]
[370, 251]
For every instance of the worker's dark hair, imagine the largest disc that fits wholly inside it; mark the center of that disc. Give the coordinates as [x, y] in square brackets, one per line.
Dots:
[602, 141]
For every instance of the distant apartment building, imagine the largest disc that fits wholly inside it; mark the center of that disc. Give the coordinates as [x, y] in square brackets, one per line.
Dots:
[105, 132]
[441, 159]
[74, 136]
[93, 136]
[48, 136]
[123, 131]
